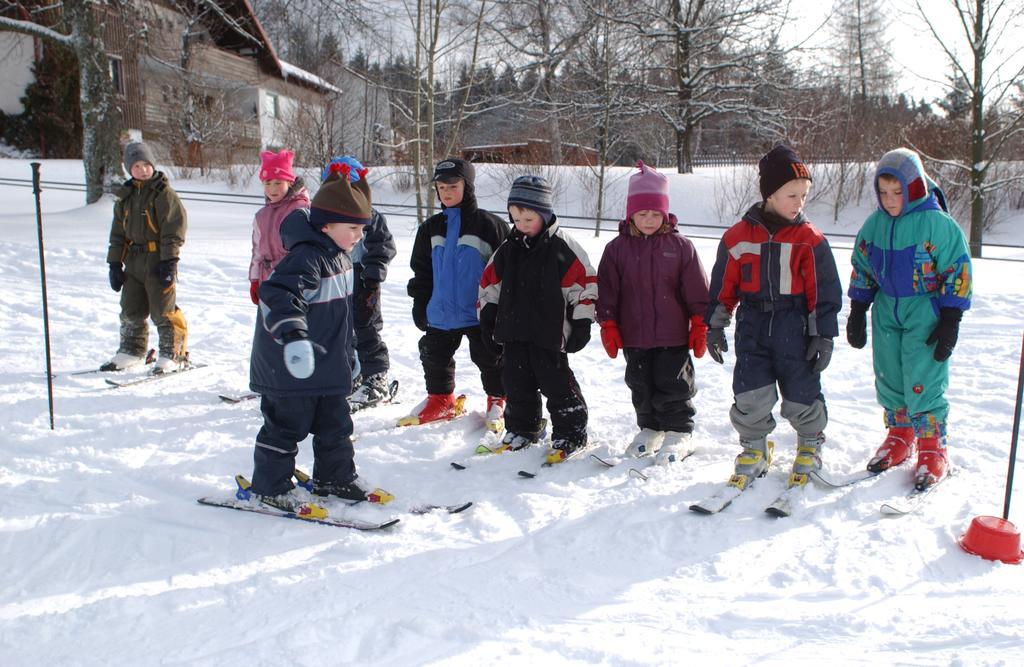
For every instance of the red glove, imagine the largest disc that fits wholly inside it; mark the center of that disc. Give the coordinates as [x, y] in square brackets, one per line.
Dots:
[611, 338]
[254, 291]
[698, 333]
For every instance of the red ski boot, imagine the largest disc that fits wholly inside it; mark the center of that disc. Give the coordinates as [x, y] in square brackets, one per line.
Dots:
[931, 462]
[436, 407]
[896, 449]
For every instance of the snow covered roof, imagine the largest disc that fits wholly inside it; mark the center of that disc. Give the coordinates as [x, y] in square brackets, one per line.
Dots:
[289, 70]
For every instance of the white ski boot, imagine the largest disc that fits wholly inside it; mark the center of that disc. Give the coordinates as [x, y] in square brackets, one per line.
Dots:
[675, 447]
[645, 443]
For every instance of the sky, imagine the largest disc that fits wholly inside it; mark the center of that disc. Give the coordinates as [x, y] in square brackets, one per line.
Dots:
[923, 65]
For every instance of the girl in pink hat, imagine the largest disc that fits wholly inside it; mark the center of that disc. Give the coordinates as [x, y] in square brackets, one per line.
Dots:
[652, 295]
[285, 193]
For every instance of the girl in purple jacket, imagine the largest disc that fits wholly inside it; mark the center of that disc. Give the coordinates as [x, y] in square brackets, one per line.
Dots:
[652, 293]
[284, 193]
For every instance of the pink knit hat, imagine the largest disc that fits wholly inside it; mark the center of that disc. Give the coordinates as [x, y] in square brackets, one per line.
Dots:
[276, 166]
[648, 191]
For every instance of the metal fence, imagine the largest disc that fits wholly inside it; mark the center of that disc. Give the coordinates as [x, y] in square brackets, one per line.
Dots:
[607, 225]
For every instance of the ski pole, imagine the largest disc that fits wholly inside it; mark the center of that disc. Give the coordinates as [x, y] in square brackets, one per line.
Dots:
[42, 278]
[1013, 438]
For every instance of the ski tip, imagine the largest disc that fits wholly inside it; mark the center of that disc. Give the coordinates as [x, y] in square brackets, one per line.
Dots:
[457, 466]
[699, 509]
[527, 475]
[633, 472]
[455, 509]
[387, 524]
[776, 512]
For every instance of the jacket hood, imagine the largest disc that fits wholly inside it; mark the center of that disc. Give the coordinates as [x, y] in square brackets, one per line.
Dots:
[297, 192]
[919, 191]
[756, 215]
[297, 229]
[158, 180]
[546, 232]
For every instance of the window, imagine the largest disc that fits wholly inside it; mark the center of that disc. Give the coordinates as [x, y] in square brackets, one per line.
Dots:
[116, 74]
[273, 106]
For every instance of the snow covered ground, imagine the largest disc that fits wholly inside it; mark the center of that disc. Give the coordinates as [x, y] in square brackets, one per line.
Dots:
[108, 559]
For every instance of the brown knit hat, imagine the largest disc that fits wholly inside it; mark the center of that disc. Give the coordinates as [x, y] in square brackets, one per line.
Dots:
[339, 200]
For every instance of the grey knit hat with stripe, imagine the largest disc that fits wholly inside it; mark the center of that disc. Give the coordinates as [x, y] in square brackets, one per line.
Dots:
[532, 192]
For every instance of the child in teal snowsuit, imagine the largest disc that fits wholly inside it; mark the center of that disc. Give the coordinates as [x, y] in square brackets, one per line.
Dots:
[911, 262]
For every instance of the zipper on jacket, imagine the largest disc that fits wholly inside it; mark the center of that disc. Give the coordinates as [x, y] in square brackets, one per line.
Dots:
[888, 270]
[768, 279]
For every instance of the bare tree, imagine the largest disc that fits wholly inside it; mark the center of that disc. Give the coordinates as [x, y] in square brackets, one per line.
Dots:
[701, 63]
[989, 32]
[101, 116]
[540, 35]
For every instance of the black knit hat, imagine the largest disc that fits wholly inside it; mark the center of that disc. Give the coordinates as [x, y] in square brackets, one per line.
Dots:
[780, 166]
[532, 192]
[451, 169]
[339, 200]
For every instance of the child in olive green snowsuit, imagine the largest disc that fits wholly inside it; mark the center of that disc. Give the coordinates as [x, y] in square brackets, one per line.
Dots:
[145, 239]
[911, 267]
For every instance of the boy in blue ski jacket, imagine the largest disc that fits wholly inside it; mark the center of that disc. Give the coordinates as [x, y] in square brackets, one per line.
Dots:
[448, 258]
[911, 267]
[301, 364]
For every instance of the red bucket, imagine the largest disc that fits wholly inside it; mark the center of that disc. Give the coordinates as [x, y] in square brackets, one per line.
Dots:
[993, 538]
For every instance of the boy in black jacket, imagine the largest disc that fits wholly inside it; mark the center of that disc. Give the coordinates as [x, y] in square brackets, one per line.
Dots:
[305, 306]
[448, 258]
[537, 299]
[370, 259]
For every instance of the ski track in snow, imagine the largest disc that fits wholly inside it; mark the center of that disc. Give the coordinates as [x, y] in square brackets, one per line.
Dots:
[107, 556]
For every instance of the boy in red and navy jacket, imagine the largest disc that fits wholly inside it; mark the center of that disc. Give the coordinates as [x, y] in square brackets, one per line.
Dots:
[536, 300]
[777, 271]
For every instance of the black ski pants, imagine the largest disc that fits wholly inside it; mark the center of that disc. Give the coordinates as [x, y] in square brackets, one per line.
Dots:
[287, 420]
[662, 386]
[437, 352]
[368, 323]
[530, 371]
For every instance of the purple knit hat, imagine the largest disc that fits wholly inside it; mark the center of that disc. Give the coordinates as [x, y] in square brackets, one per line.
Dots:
[648, 191]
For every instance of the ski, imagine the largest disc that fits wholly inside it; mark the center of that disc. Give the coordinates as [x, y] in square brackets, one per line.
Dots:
[152, 377]
[636, 472]
[450, 509]
[717, 501]
[787, 501]
[150, 358]
[381, 497]
[912, 502]
[491, 444]
[392, 391]
[549, 463]
[825, 479]
[259, 508]
[237, 399]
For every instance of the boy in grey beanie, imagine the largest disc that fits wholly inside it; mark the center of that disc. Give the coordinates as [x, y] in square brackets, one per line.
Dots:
[145, 239]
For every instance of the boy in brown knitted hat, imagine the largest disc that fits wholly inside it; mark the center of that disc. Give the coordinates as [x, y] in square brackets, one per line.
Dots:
[301, 363]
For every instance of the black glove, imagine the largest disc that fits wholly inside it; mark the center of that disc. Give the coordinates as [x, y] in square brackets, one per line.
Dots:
[488, 317]
[166, 271]
[116, 277]
[419, 314]
[371, 293]
[579, 336]
[945, 333]
[819, 350]
[857, 325]
[717, 344]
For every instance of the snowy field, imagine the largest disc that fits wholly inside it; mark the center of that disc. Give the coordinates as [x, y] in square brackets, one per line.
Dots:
[108, 559]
